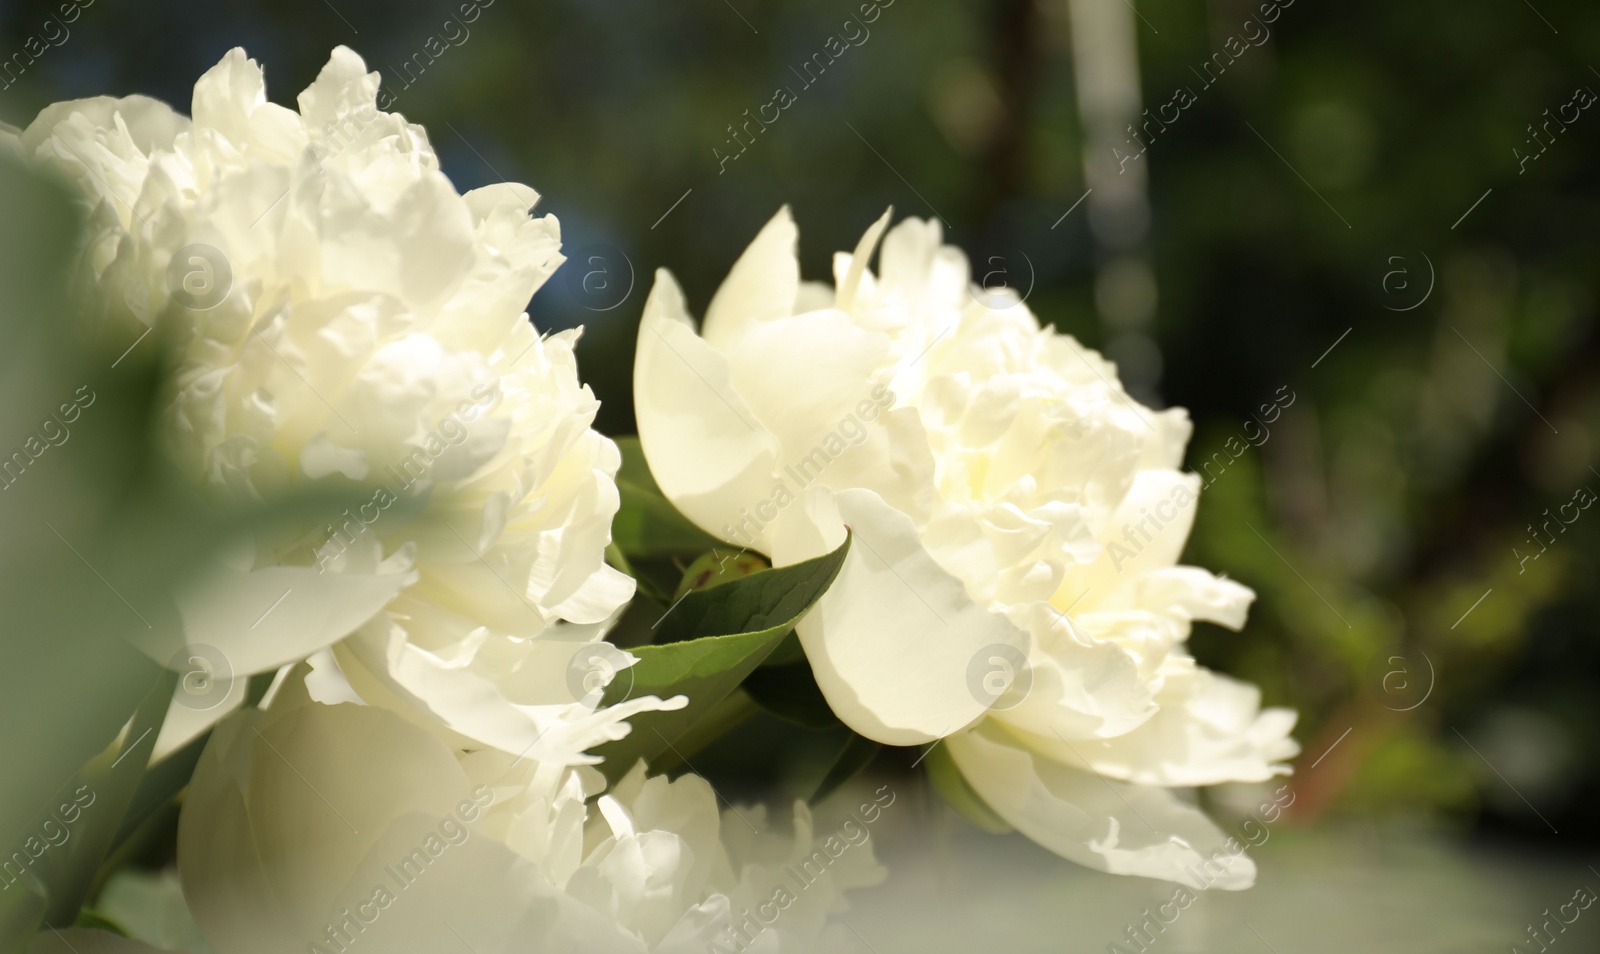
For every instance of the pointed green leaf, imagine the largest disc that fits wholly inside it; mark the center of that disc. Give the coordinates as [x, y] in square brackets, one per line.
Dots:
[706, 646]
[766, 602]
[79, 825]
[90, 918]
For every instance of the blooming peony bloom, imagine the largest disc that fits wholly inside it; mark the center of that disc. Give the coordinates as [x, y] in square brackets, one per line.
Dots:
[344, 827]
[1014, 586]
[342, 319]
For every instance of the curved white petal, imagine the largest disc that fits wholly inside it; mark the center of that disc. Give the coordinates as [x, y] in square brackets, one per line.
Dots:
[1102, 824]
[1079, 686]
[1146, 532]
[297, 818]
[763, 284]
[601, 592]
[915, 269]
[77, 138]
[264, 618]
[801, 374]
[228, 890]
[194, 709]
[855, 271]
[707, 450]
[545, 710]
[1189, 593]
[1209, 729]
[328, 775]
[231, 99]
[1173, 430]
[812, 380]
[896, 641]
[346, 826]
[343, 85]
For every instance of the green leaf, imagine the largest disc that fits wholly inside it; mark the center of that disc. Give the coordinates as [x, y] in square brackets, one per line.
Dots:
[90, 918]
[648, 525]
[80, 825]
[706, 646]
[160, 785]
[68, 679]
[163, 780]
[790, 692]
[770, 602]
[959, 795]
[856, 755]
[149, 906]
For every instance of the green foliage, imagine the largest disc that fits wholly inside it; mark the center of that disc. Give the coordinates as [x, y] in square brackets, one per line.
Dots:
[647, 525]
[90, 918]
[111, 779]
[67, 670]
[1409, 766]
[706, 646]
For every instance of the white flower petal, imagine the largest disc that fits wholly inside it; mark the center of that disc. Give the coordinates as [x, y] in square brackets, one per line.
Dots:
[1077, 685]
[263, 618]
[544, 709]
[894, 640]
[1166, 451]
[1188, 593]
[763, 284]
[810, 380]
[1145, 533]
[476, 849]
[856, 269]
[229, 892]
[706, 448]
[293, 819]
[230, 99]
[193, 711]
[1209, 729]
[1102, 824]
[342, 86]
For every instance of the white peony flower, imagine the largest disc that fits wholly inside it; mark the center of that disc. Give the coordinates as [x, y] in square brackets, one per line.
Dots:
[340, 828]
[1013, 587]
[342, 318]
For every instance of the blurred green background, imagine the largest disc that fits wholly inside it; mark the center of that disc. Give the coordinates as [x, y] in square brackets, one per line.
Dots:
[1386, 209]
